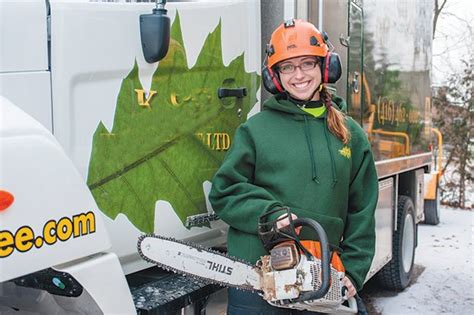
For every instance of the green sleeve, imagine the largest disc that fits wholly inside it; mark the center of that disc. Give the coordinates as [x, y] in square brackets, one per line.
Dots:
[234, 196]
[359, 233]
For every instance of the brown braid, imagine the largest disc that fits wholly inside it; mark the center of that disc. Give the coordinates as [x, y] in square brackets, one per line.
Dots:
[336, 119]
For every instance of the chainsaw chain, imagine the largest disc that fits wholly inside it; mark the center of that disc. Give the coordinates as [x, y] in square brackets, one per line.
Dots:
[199, 247]
[200, 220]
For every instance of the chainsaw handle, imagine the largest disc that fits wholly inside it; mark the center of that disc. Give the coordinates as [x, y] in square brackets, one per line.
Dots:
[270, 235]
[325, 260]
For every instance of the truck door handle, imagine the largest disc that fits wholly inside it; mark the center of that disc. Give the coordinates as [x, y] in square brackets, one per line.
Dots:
[345, 41]
[228, 92]
[355, 82]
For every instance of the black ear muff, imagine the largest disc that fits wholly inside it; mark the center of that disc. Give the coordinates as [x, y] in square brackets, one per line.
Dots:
[331, 68]
[271, 82]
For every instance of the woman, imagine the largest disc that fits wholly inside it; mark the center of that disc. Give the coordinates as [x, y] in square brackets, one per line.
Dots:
[302, 152]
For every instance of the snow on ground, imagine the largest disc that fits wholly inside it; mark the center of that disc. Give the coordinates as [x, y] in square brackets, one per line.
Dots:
[444, 271]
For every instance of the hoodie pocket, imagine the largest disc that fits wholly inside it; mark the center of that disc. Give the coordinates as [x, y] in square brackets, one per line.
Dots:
[333, 226]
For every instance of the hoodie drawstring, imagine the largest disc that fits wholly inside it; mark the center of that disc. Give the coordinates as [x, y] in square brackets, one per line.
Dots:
[328, 142]
[309, 142]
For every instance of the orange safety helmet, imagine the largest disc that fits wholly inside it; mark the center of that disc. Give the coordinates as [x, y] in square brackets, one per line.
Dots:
[295, 38]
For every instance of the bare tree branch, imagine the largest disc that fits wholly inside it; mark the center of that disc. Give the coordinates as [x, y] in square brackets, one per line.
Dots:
[449, 14]
[448, 161]
[437, 12]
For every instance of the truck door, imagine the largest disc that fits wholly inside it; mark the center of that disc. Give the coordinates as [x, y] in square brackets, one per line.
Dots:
[149, 137]
[355, 61]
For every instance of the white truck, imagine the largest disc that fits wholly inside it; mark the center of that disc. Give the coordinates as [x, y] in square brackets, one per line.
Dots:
[98, 146]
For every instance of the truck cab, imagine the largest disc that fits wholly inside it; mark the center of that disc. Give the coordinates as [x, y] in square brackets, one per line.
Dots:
[99, 146]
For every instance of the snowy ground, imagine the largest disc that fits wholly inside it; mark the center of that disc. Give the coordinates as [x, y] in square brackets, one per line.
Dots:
[444, 271]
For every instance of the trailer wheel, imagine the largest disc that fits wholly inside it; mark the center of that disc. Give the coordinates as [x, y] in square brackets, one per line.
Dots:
[432, 210]
[396, 275]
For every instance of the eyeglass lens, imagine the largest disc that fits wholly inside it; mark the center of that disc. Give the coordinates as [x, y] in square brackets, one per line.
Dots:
[304, 66]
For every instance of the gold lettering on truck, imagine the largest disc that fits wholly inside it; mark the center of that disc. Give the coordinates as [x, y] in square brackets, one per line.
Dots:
[217, 141]
[144, 98]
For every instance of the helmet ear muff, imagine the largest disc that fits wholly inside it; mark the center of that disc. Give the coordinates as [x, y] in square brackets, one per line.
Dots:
[271, 81]
[331, 69]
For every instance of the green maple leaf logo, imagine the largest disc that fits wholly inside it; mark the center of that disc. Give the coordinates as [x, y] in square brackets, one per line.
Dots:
[165, 151]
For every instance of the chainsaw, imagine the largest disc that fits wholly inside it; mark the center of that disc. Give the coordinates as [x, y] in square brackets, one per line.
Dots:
[301, 275]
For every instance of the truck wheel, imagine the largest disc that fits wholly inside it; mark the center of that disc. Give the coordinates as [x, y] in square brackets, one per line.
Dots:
[432, 210]
[396, 275]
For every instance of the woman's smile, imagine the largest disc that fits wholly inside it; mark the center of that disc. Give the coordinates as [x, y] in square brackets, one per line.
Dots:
[301, 85]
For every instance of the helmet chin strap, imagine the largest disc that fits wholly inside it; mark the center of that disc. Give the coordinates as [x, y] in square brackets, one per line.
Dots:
[319, 89]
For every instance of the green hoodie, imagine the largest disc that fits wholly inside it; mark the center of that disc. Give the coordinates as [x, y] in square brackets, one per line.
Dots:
[284, 156]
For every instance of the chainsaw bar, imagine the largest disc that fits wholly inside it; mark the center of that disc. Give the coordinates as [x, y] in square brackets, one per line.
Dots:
[198, 262]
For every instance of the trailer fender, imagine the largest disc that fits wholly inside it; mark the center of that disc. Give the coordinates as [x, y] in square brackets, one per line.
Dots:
[431, 185]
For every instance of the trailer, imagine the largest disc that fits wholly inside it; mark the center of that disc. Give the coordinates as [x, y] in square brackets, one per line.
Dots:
[100, 144]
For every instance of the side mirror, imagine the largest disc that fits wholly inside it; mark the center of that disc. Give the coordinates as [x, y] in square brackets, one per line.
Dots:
[155, 33]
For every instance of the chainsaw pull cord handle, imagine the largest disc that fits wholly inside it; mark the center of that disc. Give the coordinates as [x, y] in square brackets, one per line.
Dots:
[325, 261]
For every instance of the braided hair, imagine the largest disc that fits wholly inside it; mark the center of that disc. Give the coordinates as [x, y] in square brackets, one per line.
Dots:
[335, 118]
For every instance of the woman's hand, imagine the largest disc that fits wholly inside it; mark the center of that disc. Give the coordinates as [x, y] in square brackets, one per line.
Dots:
[286, 222]
[351, 291]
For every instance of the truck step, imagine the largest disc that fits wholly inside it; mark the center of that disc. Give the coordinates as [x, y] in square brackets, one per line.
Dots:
[156, 291]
